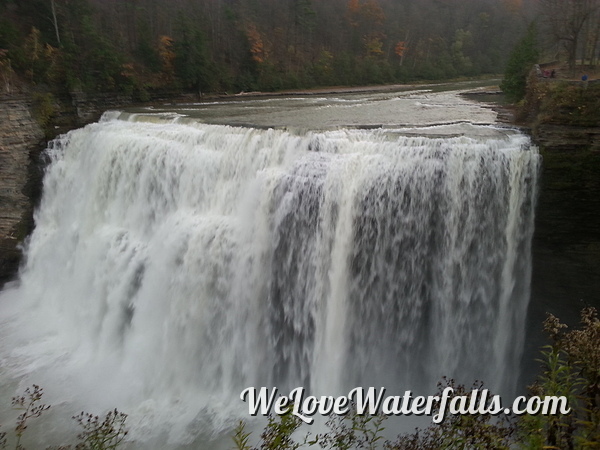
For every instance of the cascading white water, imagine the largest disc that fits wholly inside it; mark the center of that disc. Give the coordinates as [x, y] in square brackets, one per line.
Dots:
[175, 264]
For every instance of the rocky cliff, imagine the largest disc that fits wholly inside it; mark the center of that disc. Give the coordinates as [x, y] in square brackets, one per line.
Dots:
[564, 117]
[567, 138]
[21, 140]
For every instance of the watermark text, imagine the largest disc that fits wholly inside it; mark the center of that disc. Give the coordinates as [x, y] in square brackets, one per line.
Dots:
[264, 401]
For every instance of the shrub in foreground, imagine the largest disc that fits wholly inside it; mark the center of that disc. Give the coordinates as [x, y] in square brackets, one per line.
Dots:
[98, 433]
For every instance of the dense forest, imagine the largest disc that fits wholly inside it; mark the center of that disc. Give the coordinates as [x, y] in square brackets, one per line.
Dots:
[241, 45]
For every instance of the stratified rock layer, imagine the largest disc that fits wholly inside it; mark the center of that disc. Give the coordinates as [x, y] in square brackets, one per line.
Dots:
[19, 136]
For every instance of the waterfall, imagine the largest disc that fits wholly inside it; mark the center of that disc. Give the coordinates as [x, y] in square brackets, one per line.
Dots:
[176, 263]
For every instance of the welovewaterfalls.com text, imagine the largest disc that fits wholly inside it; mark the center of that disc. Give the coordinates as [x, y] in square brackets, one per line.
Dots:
[374, 401]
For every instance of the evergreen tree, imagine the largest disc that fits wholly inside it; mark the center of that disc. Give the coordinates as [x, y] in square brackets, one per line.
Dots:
[192, 64]
[520, 62]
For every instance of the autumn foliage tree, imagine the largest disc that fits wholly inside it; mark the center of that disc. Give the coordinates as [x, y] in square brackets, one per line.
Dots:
[167, 58]
[400, 50]
[572, 24]
[257, 45]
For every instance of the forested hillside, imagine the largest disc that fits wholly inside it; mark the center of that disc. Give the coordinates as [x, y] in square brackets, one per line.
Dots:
[242, 45]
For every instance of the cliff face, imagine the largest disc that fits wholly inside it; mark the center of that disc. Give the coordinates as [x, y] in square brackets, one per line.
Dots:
[567, 138]
[565, 121]
[21, 139]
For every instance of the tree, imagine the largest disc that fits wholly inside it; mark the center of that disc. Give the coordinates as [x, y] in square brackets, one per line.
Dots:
[520, 62]
[257, 46]
[303, 20]
[167, 58]
[192, 65]
[33, 47]
[366, 19]
[462, 40]
[400, 50]
[565, 22]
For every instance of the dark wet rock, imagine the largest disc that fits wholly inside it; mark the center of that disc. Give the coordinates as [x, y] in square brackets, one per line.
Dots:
[21, 139]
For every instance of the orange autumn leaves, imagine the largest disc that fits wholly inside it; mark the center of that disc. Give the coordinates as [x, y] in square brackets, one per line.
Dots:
[257, 44]
[167, 58]
[400, 49]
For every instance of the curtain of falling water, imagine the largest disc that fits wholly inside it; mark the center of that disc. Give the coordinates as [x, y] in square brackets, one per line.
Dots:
[175, 264]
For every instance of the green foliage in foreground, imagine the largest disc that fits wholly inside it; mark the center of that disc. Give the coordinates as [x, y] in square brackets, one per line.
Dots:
[572, 368]
[98, 433]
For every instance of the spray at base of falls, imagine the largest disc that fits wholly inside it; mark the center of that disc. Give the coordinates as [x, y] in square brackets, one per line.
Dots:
[175, 264]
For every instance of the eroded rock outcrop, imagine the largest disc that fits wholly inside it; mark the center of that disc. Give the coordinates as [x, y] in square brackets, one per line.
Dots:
[21, 140]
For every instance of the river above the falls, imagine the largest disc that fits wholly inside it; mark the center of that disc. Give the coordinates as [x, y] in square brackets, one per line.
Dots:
[405, 106]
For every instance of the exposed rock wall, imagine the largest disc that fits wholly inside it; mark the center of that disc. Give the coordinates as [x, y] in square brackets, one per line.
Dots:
[89, 108]
[567, 138]
[21, 139]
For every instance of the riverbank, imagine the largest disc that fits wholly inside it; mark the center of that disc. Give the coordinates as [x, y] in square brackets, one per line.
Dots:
[484, 81]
